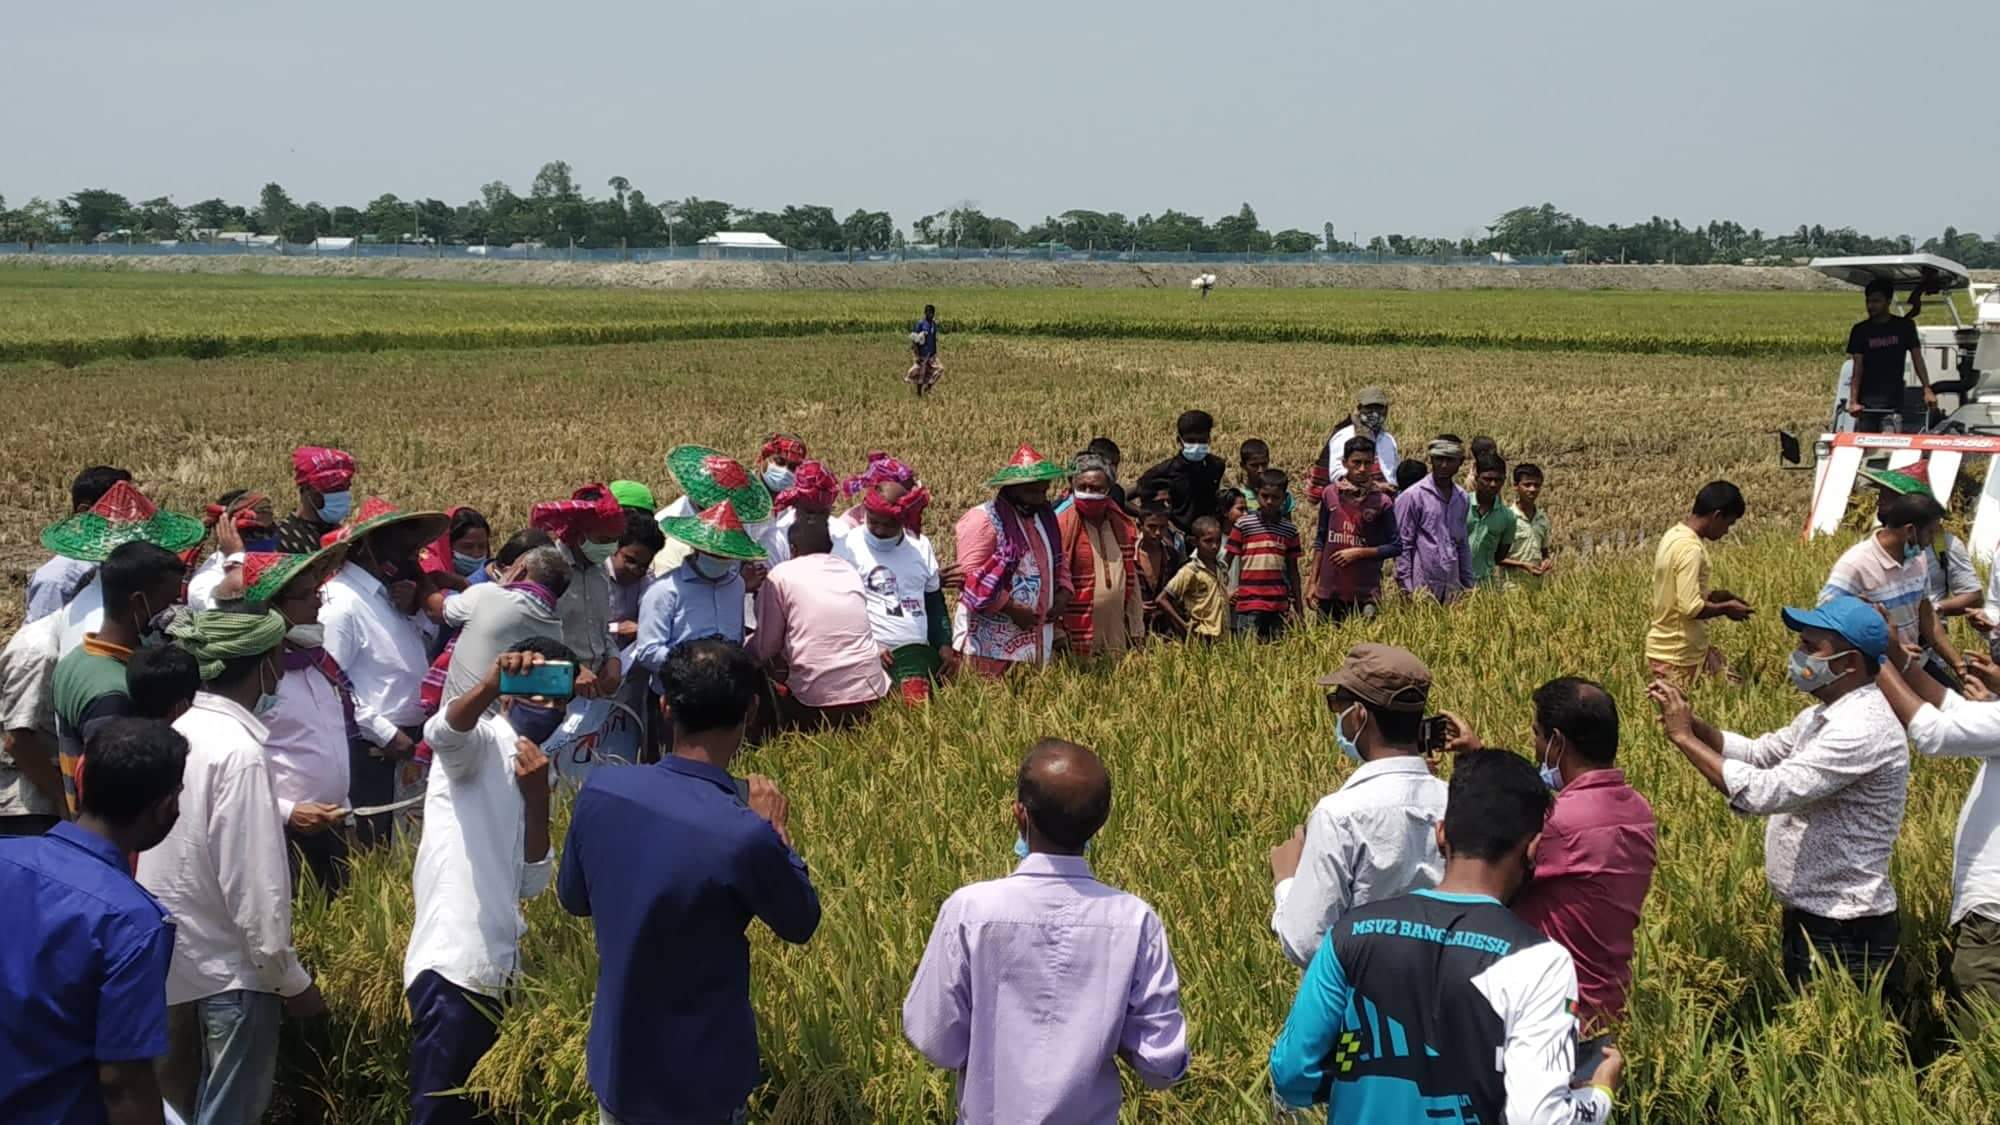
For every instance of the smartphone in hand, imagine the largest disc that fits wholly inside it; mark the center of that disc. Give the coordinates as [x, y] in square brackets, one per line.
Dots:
[553, 679]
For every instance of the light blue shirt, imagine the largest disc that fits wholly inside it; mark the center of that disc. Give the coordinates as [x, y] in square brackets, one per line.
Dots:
[684, 606]
[53, 583]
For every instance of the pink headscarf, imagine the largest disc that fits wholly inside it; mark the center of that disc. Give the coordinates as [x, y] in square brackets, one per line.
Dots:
[813, 489]
[590, 510]
[882, 469]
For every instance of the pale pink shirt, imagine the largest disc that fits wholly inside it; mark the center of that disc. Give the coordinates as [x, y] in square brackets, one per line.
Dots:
[813, 612]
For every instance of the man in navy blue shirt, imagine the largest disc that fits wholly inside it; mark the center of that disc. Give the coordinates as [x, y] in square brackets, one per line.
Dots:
[924, 372]
[83, 976]
[672, 1036]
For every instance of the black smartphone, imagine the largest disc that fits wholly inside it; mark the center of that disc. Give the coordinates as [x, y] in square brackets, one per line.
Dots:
[1433, 734]
[1589, 1055]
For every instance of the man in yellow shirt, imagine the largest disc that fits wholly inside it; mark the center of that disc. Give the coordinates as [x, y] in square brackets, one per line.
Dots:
[1677, 647]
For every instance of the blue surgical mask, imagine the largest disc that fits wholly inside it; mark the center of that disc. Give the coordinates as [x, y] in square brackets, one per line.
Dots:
[882, 544]
[1194, 450]
[334, 506]
[1348, 746]
[1911, 550]
[715, 569]
[267, 701]
[777, 478]
[535, 722]
[1552, 773]
[1811, 673]
[1020, 846]
[466, 565]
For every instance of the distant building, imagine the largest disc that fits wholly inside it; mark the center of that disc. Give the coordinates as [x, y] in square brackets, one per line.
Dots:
[739, 244]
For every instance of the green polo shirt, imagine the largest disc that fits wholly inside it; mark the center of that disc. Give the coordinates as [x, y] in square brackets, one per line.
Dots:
[1490, 534]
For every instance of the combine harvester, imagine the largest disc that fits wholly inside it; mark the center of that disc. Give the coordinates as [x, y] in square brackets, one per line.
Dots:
[1963, 361]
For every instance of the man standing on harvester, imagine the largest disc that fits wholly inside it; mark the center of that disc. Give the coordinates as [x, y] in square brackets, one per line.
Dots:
[1877, 347]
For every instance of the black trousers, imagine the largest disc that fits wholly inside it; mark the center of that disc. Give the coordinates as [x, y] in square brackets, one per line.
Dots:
[451, 1029]
[1859, 945]
[322, 853]
[371, 781]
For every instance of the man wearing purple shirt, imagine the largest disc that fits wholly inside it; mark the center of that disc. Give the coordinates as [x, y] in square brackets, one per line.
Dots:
[1431, 520]
[1594, 865]
[1033, 985]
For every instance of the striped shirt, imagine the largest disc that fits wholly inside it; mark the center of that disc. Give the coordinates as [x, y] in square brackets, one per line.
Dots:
[1869, 572]
[1263, 551]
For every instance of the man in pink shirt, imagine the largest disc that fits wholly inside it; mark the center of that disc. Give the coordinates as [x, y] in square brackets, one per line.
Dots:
[813, 633]
[1595, 862]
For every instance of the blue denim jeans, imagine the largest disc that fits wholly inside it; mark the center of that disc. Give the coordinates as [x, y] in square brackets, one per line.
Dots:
[239, 1056]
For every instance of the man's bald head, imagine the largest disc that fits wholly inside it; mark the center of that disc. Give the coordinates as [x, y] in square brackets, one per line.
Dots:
[1065, 792]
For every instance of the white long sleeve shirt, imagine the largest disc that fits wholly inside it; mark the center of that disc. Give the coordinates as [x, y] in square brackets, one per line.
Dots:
[1373, 838]
[306, 742]
[1832, 784]
[470, 874]
[221, 872]
[1963, 729]
[381, 649]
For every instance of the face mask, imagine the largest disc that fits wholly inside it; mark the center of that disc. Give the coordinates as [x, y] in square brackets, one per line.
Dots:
[267, 701]
[1091, 507]
[535, 722]
[466, 565]
[882, 544]
[1348, 746]
[1020, 846]
[596, 553]
[263, 544]
[1911, 550]
[777, 478]
[334, 506]
[1551, 774]
[714, 569]
[1371, 419]
[1811, 673]
[307, 636]
[1194, 450]
[153, 630]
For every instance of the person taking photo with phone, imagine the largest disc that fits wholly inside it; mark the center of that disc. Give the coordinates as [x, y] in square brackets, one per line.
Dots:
[1376, 836]
[485, 847]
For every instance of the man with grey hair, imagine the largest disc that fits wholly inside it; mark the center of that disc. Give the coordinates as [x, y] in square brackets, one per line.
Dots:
[495, 617]
[1107, 616]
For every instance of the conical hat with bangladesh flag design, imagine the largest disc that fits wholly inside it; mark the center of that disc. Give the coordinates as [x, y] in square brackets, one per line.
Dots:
[122, 515]
[267, 573]
[1027, 467]
[717, 531]
[710, 476]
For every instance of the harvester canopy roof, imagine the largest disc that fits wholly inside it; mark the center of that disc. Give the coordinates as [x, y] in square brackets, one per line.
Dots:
[1900, 270]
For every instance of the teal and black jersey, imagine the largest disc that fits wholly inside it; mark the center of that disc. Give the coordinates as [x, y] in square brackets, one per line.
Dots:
[1436, 1008]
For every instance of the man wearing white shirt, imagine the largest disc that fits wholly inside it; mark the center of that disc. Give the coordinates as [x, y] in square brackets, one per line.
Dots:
[370, 614]
[221, 874]
[58, 580]
[485, 847]
[1944, 724]
[906, 607]
[1376, 836]
[312, 726]
[1370, 420]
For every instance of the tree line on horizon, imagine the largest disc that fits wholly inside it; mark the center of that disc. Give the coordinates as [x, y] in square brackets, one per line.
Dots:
[557, 212]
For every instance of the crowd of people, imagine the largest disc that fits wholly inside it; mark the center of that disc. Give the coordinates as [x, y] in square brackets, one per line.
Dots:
[206, 717]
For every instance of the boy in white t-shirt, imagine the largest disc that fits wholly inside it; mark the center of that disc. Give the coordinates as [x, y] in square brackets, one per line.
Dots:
[906, 608]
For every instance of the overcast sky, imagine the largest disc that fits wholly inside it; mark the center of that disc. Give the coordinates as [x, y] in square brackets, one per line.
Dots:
[1414, 118]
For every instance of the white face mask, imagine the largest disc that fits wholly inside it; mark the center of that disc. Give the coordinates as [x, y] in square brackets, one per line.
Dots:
[715, 569]
[596, 553]
[882, 544]
[307, 636]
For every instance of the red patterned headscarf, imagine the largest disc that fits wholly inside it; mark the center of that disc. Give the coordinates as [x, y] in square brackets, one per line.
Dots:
[790, 447]
[243, 508]
[590, 510]
[907, 509]
[882, 469]
[321, 469]
[813, 490]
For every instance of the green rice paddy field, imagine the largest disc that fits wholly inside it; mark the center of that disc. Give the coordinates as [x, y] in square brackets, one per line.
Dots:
[486, 395]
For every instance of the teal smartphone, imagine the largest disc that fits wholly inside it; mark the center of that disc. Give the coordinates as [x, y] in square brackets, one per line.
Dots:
[555, 679]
